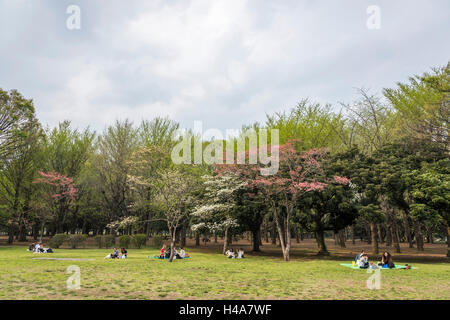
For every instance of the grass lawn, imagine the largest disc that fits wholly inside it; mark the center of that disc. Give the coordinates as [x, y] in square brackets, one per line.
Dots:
[208, 276]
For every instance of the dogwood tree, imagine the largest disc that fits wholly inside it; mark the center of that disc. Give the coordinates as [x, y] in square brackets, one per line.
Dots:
[216, 213]
[298, 174]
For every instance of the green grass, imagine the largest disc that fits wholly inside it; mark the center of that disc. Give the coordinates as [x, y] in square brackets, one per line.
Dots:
[208, 276]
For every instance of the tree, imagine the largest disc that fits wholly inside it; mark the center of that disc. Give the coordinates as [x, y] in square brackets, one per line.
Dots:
[217, 211]
[66, 151]
[423, 106]
[430, 194]
[175, 194]
[17, 117]
[115, 147]
[55, 186]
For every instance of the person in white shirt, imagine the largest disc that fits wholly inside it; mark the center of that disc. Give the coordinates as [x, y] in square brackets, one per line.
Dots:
[37, 248]
[182, 253]
[240, 253]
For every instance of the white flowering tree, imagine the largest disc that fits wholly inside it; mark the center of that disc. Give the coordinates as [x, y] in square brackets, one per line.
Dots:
[176, 190]
[216, 212]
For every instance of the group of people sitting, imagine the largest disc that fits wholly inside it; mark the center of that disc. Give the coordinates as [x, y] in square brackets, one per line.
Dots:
[231, 254]
[38, 248]
[177, 254]
[362, 261]
[115, 254]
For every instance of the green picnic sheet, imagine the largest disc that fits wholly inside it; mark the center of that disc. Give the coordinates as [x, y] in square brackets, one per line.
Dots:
[157, 257]
[349, 265]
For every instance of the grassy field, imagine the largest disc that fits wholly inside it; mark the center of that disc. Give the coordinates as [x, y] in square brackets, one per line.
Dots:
[208, 276]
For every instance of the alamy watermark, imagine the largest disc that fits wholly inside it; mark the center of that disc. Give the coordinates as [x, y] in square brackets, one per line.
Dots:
[73, 22]
[74, 281]
[374, 20]
[252, 147]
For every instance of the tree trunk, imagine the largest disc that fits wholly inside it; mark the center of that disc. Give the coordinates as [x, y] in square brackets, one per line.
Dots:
[418, 234]
[225, 241]
[430, 235]
[394, 235]
[352, 228]
[297, 235]
[341, 238]
[380, 235]
[256, 239]
[173, 236]
[388, 228]
[374, 237]
[407, 229]
[274, 233]
[323, 251]
[183, 236]
[448, 240]
[11, 235]
[197, 239]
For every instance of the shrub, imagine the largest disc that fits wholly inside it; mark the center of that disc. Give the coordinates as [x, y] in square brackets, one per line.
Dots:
[57, 240]
[124, 241]
[76, 239]
[139, 240]
[98, 240]
[108, 240]
[157, 240]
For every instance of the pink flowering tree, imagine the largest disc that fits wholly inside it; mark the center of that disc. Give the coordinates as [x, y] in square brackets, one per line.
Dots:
[58, 191]
[298, 174]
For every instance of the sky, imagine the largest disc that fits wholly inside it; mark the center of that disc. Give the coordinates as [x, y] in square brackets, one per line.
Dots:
[223, 62]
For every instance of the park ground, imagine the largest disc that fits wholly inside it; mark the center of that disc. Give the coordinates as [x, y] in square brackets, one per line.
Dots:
[209, 275]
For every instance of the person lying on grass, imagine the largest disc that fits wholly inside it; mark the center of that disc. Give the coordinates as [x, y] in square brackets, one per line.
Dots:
[386, 261]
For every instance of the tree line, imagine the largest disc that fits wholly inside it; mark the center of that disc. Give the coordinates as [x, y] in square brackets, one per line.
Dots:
[375, 169]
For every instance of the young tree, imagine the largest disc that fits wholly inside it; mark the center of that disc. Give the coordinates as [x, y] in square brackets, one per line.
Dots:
[175, 193]
[217, 211]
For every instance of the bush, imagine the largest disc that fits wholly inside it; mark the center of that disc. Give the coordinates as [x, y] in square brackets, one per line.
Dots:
[108, 240]
[57, 240]
[76, 239]
[157, 240]
[124, 241]
[98, 240]
[139, 240]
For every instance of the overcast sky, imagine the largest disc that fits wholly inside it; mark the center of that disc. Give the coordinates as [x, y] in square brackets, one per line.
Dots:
[225, 62]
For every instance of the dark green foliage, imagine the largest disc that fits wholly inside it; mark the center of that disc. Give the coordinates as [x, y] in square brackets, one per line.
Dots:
[139, 240]
[57, 240]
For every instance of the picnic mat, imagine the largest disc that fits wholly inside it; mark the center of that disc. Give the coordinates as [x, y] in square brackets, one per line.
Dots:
[349, 265]
[157, 257]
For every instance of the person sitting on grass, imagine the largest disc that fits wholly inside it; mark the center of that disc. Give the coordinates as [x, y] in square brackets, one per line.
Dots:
[359, 255]
[363, 261]
[124, 253]
[240, 253]
[162, 252]
[115, 254]
[230, 253]
[167, 253]
[31, 247]
[182, 253]
[386, 261]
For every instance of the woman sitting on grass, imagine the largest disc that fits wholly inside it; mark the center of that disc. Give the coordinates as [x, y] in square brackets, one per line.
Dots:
[363, 261]
[230, 253]
[386, 261]
[124, 253]
[240, 253]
